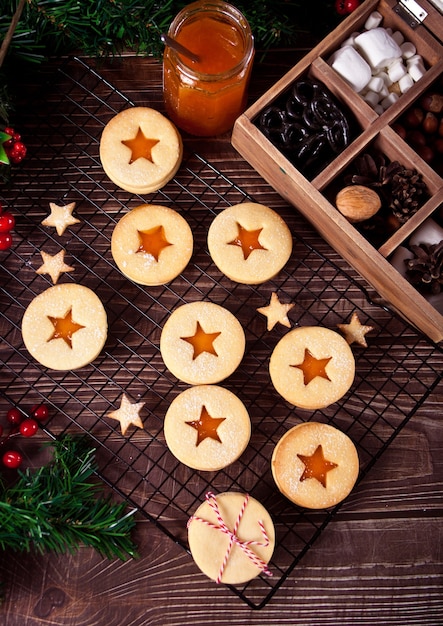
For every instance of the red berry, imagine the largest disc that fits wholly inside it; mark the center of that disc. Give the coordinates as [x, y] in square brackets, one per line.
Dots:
[12, 459]
[18, 147]
[344, 7]
[14, 416]
[5, 241]
[9, 130]
[28, 427]
[40, 412]
[18, 152]
[7, 222]
[16, 136]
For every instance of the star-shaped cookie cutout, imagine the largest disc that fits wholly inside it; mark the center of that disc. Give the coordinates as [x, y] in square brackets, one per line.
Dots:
[153, 241]
[127, 414]
[312, 367]
[60, 217]
[54, 265]
[247, 240]
[355, 332]
[140, 146]
[276, 312]
[202, 342]
[64, 328]
[316, 466]
[206, 426]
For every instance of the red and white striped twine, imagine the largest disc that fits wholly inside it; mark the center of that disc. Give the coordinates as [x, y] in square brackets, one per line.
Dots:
[233, 538]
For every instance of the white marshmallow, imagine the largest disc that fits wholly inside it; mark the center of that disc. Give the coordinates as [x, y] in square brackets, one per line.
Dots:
[396, 71]
[374, 20]
[384, 91]
[414, 60]
[378, 109]
[405, 83]
[350, 41]
[416, 71]
[408, 49]
[384, 75]
[398, 259]
[389, 101]
[377, 47]
[397, 36]
[351, 66]
[376, 84]
[371, 97]
[428, 232]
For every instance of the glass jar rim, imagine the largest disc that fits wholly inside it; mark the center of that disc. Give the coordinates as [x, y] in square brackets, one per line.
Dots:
[229, 11]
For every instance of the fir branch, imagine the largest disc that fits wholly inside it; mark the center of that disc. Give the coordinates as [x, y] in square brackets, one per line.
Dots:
[57, 507]
[101, 28]
[10, 33]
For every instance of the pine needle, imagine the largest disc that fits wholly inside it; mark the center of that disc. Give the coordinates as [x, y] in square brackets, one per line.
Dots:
[57, 507]
[104, 28]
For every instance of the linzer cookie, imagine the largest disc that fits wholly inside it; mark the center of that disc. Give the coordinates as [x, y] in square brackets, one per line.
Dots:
[140, 150]
[202, 343]
[312, 367]
[152, 244]
[315, 465]
[65, 327]
[231, 537]
[207, 427]
[250, 243]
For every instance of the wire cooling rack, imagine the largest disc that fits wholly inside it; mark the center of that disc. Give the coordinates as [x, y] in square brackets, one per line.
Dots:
[394, 375]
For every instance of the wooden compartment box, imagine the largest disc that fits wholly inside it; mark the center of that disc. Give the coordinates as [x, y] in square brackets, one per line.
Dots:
[374, 132]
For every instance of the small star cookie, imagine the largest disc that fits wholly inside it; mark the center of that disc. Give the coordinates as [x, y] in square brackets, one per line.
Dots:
[127, 414]
[276, 312]
[54, 265]
[355, 331]
[60, 217]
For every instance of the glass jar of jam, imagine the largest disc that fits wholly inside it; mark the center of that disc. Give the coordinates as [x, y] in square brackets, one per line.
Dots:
[205, 96]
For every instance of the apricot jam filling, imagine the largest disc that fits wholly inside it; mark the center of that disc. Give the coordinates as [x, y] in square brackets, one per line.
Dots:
[247, 240]
[140, 146]
[64, 328]
[316, 466]
[312, 367]
[202, 342]
[153, 241]
[206, 426]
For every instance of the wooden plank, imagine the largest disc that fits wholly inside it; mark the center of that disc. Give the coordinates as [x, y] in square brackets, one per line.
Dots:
[380, 564]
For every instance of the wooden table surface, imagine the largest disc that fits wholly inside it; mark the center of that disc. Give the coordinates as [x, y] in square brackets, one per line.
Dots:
[380, 561]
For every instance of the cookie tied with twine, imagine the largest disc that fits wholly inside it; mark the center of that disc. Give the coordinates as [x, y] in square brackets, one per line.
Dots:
[231, 537]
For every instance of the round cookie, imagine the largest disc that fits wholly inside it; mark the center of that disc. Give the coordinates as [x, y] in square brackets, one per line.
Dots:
[315, 465]
[202, 343]
[65, 327]
[210, 541]
[249, 242]
[152, 244]
[312, 367]
[140, 150]
[207, 427]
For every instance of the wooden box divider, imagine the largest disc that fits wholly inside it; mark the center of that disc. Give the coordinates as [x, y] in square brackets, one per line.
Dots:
[314, 198]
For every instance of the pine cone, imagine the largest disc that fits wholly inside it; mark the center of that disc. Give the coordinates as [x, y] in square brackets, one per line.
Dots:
[407, 191]
[370, 171]
[425, 269]
[401, 189]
